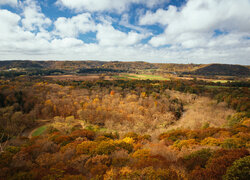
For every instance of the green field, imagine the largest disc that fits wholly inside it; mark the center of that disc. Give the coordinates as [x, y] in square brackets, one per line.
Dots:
[213, 87]
[140, 77]
[221, 81]
[39, 131]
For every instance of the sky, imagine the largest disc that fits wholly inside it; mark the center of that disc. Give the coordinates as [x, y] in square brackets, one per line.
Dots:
[160, 31]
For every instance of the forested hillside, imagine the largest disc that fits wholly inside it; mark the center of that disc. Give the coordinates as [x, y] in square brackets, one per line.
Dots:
[223, 70]
[123, 129]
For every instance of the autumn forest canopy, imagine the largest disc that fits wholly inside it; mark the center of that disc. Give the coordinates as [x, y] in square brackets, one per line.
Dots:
[123, 120]
[124, 90]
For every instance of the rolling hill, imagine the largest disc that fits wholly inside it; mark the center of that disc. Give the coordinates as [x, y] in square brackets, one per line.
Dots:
[222, 70]
[48, 67]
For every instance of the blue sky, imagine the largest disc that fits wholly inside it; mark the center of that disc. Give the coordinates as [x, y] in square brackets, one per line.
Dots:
[165, 31]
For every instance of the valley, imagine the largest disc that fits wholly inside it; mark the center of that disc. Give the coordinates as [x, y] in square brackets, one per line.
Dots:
[120, 121]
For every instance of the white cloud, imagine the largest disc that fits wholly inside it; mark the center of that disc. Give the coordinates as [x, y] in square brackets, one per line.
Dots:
[161, 16]
[194, 24]
[107, 35]
[72, 27]
[104, 5]
[34, 19]
[8, 20]
[17, 42]
[12, 37]
[66, 43]
[189, 31]
[8, 2]
[10, 31]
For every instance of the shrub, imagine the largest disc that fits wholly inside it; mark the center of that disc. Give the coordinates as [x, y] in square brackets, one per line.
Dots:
[102, 138]
[72, 145]
[242, 139]
[125, 171]
[154, 161]
[120, 158]
[131, 135]
[54, 135]
[202, 133]
[46, 159]
[210, 141]
[141, 154]
[111, 174]
[33, 151]
[105, 147]
[219, 162]
[128, 140]
[149, 173]
[238, 153]
[84, 133]
[223, 134]
[246, 122]
[54, 173]
[145, 137]
[208, 132]
[184, 143]
[75, 177]
[199, 173]
[98, 165]
[51, 129]
[138, 146]
[239, 170]
[77, 164]
[174, 135]
[5, 158]
[125, 146]
[196, 159]
[86, 147]
[193, 134]
[23, 176]
[12, 149]
[48, 146]
[230, 143]
[98, 171]
[98, 159]
[111, 135]
[62, 139]
[236, 118]
[76, 127]
[206, 125]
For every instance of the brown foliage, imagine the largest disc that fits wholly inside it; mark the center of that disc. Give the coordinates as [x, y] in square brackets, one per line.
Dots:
[217, 165]
[84, 133]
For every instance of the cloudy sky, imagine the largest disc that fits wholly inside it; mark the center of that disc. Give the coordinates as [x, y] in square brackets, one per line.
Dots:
[176, 31]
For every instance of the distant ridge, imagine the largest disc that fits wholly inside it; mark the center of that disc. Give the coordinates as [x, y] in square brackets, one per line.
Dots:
[222, 70]
[119, 66]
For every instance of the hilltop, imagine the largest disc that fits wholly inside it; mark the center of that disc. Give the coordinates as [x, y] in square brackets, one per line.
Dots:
[222, 70]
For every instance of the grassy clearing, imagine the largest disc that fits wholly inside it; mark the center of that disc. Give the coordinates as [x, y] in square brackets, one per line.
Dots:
[213, 87]
[39, 131]
[152, 77]
[131, 76]
[140, 77]
[120, 77]
[221, 81]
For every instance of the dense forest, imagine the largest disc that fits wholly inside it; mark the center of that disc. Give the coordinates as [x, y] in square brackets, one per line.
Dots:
[123, 129]
[222, 70]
